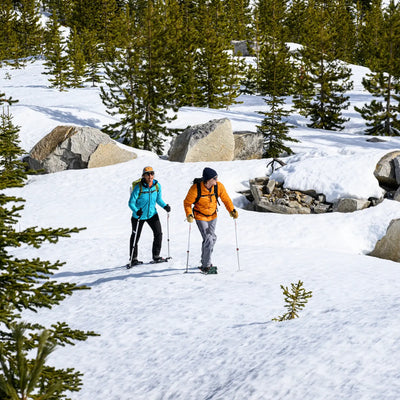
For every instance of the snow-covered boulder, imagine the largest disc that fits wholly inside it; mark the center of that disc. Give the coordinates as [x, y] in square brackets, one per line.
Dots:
[212, 141]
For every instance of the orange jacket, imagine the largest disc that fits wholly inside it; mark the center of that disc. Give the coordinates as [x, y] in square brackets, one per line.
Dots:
[206, 208]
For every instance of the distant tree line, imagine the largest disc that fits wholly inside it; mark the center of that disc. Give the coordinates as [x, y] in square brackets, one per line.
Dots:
[152, 57]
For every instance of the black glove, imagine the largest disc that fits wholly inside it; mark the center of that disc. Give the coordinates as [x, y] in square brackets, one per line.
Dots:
[167, 208]
[139, 212]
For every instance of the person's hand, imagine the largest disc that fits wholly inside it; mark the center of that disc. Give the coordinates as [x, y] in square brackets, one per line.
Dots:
[234, 214]
[139, 212]
[167, 208]
[190, 218]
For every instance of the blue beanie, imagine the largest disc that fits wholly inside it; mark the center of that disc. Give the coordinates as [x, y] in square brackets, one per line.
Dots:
[209, 173]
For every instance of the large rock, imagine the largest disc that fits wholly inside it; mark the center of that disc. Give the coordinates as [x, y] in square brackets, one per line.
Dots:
[385, 170]
[66, 147]
[248, 145]
[389, 246]
[350, 205]
[212, 141]
[109, 154]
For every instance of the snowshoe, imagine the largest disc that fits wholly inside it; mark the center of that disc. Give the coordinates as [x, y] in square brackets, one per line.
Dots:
[133, 263]
[211, 270]
[157, 260]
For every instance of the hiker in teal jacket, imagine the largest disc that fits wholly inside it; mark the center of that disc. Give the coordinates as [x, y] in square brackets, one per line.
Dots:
[144, 197]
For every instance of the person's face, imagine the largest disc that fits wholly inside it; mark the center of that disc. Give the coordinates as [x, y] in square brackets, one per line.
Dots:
[211, 182]
[148, 177]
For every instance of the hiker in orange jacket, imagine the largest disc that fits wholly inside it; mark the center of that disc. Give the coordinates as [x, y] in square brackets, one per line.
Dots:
[201, 205]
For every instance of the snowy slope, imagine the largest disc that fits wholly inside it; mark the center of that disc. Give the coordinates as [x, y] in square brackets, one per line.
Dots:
[170, 335]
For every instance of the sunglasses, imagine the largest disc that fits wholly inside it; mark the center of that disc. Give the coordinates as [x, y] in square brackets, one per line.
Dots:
[149, 173]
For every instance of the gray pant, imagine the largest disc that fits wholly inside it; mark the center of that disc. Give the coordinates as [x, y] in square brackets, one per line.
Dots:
[207, 231]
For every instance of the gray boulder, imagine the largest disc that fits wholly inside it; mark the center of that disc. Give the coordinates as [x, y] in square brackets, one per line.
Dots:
[389, 246]
[212, 141]
[66, 147]
[385, 170]
[350, 205]
[248, 145]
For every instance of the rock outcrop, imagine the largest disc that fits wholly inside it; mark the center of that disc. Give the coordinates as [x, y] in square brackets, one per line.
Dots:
[268, 195]
[212, 141]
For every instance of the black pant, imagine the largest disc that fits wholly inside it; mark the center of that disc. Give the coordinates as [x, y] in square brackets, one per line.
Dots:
[137, 226]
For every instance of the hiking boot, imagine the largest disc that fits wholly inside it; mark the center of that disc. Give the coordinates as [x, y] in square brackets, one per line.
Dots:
[159, 259]
[208, 270]
[135, 262]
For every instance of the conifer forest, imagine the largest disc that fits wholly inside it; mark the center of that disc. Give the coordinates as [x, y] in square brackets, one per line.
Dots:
[152, 57]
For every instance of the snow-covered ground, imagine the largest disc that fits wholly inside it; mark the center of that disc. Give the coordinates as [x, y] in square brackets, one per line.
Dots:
[170, 335]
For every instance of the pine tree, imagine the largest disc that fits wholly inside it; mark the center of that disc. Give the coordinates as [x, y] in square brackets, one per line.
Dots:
[63, 9]
[238, 14]
[123, 98]
[250, 77]
[343, 31]
[29, 29]
[76, 56]
[92, 57]
[384, 82]
[276, 66]
[322, 96]
[370, 27]
[296, 21]
[139, 86]
[217, 72]
[180, 43]
[9, 43]
[26, 285]
[274, 80]
[268, 12]
[274, 129]
[57, 62]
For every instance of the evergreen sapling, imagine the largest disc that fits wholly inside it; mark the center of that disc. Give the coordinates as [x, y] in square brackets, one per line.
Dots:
[295, 300]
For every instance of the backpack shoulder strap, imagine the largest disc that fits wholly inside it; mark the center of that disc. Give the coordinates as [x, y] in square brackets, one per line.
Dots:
[135, 183]
[198, 184]
[216, 193]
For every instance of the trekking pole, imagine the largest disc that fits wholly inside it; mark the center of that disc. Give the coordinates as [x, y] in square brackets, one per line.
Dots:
[134, 242]
[188, 248]
[169, 256]
[237, 246]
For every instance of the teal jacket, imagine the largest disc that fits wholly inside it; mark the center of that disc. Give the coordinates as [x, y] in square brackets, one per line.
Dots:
[145, 198]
